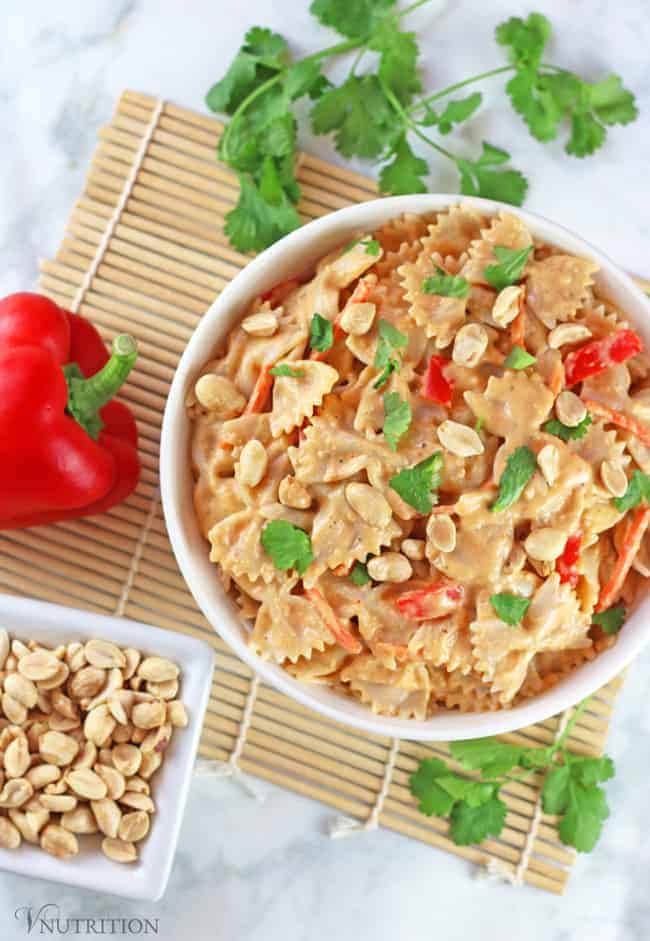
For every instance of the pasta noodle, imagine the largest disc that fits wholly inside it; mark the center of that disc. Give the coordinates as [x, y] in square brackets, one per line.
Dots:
[415, 511]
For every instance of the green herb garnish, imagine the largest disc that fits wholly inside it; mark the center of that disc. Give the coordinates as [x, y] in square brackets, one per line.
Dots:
[565, 432]
[397, 419]
[475, 809]
[375, 112]
[359, 574]
[638, 491]
[611, 620]
[284, 369]
[417, 485]
[321, 334]
[520, 467]
[509, 608]
[446, 285]
[510, 267]
[387, 358]
[288, 546]
[519, 358]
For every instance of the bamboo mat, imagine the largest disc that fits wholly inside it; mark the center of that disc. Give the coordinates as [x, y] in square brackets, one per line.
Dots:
[144, 251]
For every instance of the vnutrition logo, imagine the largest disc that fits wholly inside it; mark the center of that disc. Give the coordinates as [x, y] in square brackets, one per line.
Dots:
[48, 920]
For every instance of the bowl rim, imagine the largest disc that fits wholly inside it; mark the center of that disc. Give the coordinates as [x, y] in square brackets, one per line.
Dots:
[259, 275]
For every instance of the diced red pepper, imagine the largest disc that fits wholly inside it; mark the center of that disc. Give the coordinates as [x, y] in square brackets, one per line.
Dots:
[566, 564]
[434, 601]
[279, 292]
[597, 356]
[436, 388]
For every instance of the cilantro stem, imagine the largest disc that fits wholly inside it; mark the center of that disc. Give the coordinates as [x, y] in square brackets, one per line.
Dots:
[413, 6]
[580, 708]
[423, 102]
[411, 123]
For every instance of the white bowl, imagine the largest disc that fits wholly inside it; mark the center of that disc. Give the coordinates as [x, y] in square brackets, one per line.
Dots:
[147, 878]
[291, 256]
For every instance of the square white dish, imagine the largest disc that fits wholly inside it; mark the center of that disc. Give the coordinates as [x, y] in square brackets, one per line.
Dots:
[147, 878]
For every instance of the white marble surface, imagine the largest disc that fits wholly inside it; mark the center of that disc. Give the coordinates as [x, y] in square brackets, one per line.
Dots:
[267, 871]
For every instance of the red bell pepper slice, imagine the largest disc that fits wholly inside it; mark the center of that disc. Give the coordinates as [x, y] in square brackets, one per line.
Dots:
[566, 564]
[66, 450]
[598, 355]
[433, 601]
[436, 388]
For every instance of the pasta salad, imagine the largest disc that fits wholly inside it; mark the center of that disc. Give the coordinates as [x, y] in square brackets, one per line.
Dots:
[422, 469]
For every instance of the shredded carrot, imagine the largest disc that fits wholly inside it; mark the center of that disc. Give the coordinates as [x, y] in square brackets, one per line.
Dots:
[518, 330]
[342, 635]
[556, 379]
[343, 569]
[629, 549]
[621, 419]
[261, 391]
[226, 446]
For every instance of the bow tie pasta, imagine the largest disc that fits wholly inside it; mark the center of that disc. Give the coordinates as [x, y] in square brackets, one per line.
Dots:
[423, 471]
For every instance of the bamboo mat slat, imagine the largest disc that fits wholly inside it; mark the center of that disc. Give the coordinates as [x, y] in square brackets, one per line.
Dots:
[164, 262]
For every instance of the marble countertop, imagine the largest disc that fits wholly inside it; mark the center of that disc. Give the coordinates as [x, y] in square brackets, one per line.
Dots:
[267, 871]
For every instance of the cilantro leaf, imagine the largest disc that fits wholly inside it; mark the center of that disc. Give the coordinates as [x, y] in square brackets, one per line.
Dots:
[359, 574]
[256, 221]
[446, 285]
[397, 419]
[354, 19]
[555, 792]
[565, 432]
[390, 341]
[525, 39]
[520, 467]
[487, 755]
[287, 545]
[638, 491]
[509, 268]
[532, 97]
[321, 334]
[509, 608]
[479, 178]
[360, 114]
[591, 771]
[519, 358]
[478, 427]
[611, 620]
[457, 111]
[305, 78]
[583, 821]
[404, 174]
[284, 369]
[416, 485]
[398, 53]
[611, 102]
[474, 793]
[472, 824]
[372, 246]
[424, 784]
[260, 57]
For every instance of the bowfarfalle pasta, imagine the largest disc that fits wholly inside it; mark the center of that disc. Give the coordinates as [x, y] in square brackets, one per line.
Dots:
[423, 471]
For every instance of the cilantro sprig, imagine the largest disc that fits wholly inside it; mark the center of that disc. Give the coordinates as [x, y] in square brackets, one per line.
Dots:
[288, 546]
[638, 491]
[520, 467]
[397, 418]
[555, 427]
[417, 485]
[375, 112]
[387, 358]
[475, 809]
[446, 285]
[509, 266]
[321, 334]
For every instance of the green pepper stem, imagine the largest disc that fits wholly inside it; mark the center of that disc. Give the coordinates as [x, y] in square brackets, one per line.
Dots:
[87, 396]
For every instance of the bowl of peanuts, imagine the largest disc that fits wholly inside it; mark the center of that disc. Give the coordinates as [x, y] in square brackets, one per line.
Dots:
[389, 697]
[100, 720]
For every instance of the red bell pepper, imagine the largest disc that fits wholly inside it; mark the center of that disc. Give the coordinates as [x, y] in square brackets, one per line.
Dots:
[597, 356]
[436, 388]
[432, 601]
[66, 450]
[566, 564]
